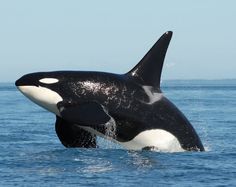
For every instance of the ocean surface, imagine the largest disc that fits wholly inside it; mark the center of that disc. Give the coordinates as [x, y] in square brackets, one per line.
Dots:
[31, 154]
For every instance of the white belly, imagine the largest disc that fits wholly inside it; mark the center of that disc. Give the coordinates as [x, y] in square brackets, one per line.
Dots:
[161, 140]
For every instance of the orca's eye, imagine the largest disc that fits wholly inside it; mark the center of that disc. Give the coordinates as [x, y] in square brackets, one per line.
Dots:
[49, 80]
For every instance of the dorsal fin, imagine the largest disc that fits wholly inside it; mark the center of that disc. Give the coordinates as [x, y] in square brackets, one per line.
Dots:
[148, 70]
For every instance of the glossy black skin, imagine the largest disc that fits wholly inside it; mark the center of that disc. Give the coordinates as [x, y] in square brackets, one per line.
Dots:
[125, 100]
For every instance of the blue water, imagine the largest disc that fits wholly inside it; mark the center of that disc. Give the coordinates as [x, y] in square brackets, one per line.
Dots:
[31, 154]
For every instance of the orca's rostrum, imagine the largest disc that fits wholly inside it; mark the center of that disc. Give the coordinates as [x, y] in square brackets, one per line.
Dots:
[129, 108]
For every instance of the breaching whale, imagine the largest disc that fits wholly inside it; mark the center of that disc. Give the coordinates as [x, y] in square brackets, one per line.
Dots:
[129, 108]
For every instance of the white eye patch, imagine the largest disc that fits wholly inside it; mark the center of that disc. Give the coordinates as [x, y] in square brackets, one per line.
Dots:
[48, 80]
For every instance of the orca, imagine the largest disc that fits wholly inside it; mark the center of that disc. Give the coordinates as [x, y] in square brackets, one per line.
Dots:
[129, 108]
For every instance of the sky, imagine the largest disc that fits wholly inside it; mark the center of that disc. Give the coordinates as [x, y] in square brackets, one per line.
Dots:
[112, 36]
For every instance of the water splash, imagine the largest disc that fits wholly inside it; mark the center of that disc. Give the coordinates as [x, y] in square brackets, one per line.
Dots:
[108, 142]
[110, 129]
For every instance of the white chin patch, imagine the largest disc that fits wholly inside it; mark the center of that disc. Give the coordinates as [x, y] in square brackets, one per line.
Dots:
[44, 97]
[160, 139]
[48, 80]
